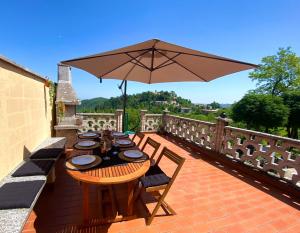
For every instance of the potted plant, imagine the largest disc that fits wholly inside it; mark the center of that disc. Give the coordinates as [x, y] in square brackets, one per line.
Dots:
[61, 108]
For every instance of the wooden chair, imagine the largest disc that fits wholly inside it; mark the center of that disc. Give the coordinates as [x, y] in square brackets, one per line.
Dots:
[156, 180]
[154, 144]
[140, 137]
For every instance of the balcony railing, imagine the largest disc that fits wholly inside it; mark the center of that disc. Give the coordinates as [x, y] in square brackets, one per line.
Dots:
[200, 132]
[150, 122]
[277, 156]
[100, 121]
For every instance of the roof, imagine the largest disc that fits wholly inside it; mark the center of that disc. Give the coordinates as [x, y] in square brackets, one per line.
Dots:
[6, 60]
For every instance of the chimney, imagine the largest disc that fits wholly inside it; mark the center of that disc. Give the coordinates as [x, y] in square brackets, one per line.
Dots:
[66, 101]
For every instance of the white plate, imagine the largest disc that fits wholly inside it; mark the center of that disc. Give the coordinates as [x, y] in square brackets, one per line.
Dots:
[86, 143]
[118, 134]
[89, 134]
[124, 142]
[83, 159]
[134, 154]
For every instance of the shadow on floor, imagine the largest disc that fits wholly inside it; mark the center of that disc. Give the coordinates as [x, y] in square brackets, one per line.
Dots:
[206, 155]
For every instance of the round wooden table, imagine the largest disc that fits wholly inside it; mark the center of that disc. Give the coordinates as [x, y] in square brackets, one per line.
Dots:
[107, 176]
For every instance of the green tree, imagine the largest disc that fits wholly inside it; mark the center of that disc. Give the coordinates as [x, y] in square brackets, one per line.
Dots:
[260, 110]
[278, 73]
[292, 100]
[214, 105]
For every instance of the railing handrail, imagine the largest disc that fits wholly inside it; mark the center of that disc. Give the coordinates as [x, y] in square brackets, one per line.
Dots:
[95, 114]
[153, 114]
[194, 120]
[257, 133]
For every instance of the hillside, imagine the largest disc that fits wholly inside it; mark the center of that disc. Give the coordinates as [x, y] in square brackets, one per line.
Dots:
[90, 104]
[153, 101]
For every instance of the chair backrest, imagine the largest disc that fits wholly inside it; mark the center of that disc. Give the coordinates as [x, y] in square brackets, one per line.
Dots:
[174, 158]
[140, 137]
[154, 144]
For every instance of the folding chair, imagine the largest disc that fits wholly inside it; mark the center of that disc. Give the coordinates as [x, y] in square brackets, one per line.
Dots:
[140, 137]
[156, 180]
[152, 143]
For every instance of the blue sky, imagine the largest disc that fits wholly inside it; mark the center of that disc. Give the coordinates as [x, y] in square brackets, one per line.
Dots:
[39, 34]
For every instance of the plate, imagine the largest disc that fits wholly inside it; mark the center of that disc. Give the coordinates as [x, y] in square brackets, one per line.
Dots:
[134, 154]
[86, 143]
[124, 142]
[89, 134]
[118, 134]
[83, 159]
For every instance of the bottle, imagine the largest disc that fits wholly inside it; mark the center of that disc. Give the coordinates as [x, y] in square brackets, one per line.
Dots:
[103, 147]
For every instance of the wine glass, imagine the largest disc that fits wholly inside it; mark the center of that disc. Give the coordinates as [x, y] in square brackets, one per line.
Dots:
[106, 149]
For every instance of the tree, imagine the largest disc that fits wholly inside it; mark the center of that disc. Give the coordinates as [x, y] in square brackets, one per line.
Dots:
[214, 105]
[260, 110]
[278, 73]
[292, 100]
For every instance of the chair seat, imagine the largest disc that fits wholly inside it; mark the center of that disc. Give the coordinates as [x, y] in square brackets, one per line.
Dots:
[154, 170]
[17, 195]
[47, 153]
[155, 180]
[34, 168]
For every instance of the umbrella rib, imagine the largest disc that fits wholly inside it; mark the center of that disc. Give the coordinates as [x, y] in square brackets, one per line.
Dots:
[135, 63]
[163, 63]
[138, 62]
[122, 65]
[152, 60]
[104, 55]
[162, 66]
[215, 58]
[184, 67]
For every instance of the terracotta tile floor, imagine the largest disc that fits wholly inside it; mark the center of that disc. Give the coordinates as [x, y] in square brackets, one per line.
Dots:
[207, 196]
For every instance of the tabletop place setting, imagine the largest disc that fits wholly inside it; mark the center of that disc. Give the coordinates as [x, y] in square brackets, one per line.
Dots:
[109, 159]
[115, 146]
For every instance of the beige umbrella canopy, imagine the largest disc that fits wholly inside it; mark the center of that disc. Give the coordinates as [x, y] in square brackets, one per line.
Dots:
[156, 61]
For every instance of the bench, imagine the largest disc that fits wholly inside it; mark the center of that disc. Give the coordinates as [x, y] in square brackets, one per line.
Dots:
[20, 190]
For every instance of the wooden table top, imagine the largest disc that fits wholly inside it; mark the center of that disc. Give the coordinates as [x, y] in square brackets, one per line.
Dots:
[115, 174]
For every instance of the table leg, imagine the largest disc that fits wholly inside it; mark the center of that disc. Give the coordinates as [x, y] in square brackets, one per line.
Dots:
[130, 201]
[86, 197]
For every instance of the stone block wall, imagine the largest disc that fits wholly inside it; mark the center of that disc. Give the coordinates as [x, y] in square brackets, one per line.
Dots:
[25, 113]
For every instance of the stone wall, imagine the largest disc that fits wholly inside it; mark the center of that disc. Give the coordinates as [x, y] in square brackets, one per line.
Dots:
[25, 113]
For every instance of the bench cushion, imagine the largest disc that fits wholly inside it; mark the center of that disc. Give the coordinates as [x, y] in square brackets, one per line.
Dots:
[48, 153]
[155, 180]
[34, 168]
[17, 195]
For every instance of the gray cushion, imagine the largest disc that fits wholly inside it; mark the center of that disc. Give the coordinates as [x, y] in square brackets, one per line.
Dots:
[34, 168]
[47, 153]
[19, 194]
[155, 180]
[154, 170]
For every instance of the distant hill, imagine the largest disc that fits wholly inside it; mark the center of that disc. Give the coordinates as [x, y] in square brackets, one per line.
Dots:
[90, 104]
[225, 105]
[153, 101]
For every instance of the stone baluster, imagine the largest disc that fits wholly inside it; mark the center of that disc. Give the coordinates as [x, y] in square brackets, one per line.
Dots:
[119, 119]
[220, 132]
[143, 119]
[164, 120]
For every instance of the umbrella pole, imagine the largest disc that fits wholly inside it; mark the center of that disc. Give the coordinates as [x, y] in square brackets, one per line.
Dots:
[124, 105]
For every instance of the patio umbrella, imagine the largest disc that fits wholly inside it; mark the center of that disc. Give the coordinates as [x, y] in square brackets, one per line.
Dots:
[156, 61]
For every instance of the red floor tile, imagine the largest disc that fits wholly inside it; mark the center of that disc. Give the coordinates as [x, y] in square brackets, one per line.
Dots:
[207, 196]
